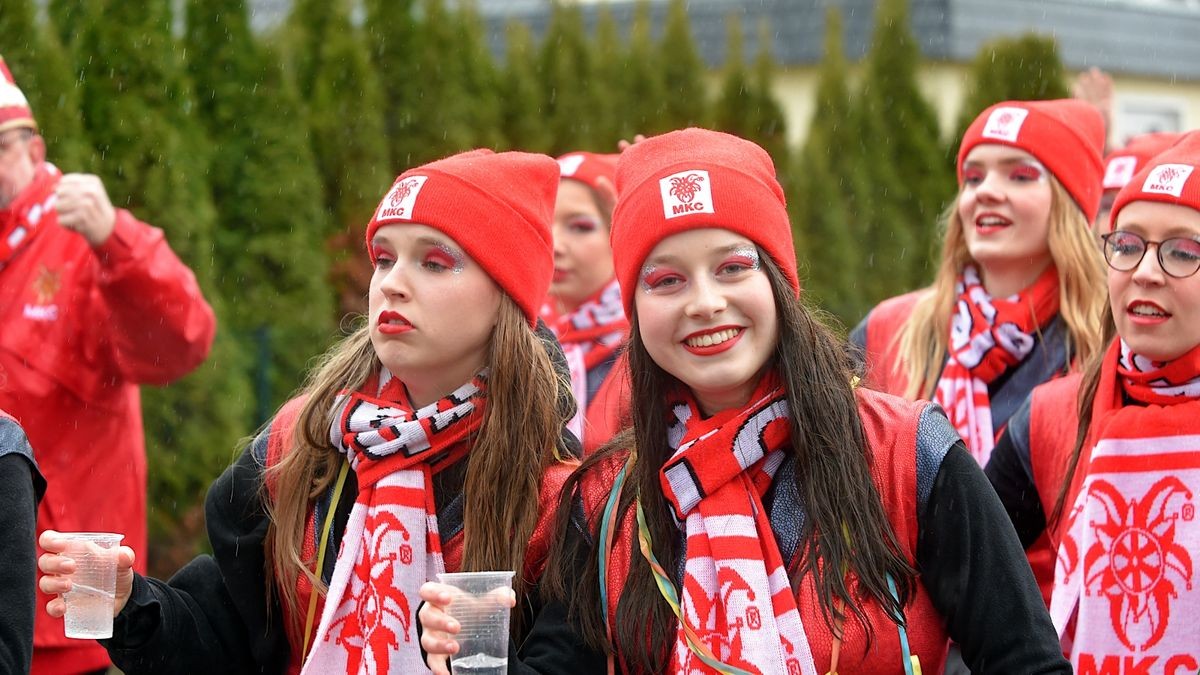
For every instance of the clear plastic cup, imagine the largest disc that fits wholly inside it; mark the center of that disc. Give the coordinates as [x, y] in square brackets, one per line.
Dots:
[479, 607]
[93, 585]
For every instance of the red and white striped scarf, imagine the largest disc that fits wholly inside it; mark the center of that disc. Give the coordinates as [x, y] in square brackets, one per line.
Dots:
[1125, 586]
[391, 544]
[25, 215]
[589, 335]
[987, 338]
[715, 481]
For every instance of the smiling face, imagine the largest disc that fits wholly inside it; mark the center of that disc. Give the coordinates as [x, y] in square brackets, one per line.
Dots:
[419, 273]
[706, 314]
[1004, 206]
[583, 261]
[1157, 315]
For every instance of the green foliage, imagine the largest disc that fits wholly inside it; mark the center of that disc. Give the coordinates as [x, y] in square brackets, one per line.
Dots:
[346, 125]
[745, 105]
[645, 88]
[829, 186]
[521, 106]
[611, 119]
[393, 35]
[903, 158]
[1024, 68]
[686, 97]
[566, 69]
[136, 101]
[43, 71]
[271, 225]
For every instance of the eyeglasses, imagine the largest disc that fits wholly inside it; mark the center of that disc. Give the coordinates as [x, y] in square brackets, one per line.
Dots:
[1179, 257]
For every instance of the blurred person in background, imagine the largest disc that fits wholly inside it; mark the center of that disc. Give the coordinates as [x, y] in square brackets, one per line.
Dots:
[584, 305]
[93, 303]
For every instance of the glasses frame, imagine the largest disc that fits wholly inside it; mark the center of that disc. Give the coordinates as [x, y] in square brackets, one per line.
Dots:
[1146, 243]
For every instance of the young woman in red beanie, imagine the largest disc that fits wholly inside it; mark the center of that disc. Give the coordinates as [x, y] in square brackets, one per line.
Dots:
[1019, 291]
[584, 306]
[422, 442]
[1108, 460]
[764, 514]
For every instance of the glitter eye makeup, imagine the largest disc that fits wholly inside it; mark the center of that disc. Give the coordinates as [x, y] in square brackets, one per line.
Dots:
[1032, 171]
[448, 258]
[745, 255]
[652, 276]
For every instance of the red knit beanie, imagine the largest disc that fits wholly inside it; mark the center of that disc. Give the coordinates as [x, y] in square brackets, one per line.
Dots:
[498, 207]
[690, 180]
[14, 109]
[588, 168]
[1066, 135]
[1170, 177]
[1121, 165]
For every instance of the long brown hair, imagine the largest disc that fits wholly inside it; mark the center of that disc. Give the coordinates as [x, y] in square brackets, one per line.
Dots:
[1087, 398]
[923, 340]
[519, 437]
[846, 527]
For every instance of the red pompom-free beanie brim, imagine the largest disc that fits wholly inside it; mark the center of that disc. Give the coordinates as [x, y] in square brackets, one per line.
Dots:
[497, 206]
[695, 179]
[1172, 177]
[589, 167]
[1066, 135]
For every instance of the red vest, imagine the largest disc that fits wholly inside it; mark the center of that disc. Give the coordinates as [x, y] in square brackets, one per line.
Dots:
[279, 442]
[882, 360]
[891, 428]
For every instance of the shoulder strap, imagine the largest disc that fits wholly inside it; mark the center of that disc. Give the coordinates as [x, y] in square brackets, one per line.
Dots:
[322, 547]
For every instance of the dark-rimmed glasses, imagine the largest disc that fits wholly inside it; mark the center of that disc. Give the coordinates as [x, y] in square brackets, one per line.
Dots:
[1179, 257]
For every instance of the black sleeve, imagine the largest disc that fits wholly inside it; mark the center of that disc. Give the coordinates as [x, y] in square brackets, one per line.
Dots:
[212, 616]
[977, 576]
[18, 561]
[1010, 472]
[856, 347]
[554, 643]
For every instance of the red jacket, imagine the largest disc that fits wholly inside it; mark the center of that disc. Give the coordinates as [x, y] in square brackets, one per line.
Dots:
[82, 328]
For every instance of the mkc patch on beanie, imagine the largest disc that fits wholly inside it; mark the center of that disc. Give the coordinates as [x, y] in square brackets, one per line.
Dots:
[1170, 177]
[695, 179]
[497, 206]
[589, 167]
[1121, 165]
[1065, 135]
[15, 112]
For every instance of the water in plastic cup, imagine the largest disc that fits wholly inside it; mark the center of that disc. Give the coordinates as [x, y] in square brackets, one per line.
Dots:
[93, 585]
[478, 606]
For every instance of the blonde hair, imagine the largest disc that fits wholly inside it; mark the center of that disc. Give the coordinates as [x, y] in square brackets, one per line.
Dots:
[1081, 286]
[519, 437]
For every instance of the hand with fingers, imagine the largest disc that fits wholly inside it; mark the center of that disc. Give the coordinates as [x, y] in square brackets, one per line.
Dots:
[57, 569]
[83, 206]
[438, 628]
[623, 145]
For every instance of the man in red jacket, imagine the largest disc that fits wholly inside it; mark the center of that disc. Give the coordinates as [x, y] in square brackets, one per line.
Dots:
[92, 303]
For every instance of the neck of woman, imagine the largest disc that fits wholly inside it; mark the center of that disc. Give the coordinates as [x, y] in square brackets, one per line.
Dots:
[1002, 280]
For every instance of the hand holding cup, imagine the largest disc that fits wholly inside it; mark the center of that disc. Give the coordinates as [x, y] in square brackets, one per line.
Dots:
[65, 553]
[483, 601]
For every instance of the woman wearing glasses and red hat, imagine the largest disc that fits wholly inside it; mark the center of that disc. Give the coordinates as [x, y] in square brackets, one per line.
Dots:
[1108, 460]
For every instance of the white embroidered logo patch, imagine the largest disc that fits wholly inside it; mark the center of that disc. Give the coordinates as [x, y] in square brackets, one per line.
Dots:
[1005, 124]
[1119, 172]
[686, 192]
[1168, 179]
[570, 164]
[398, 203]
